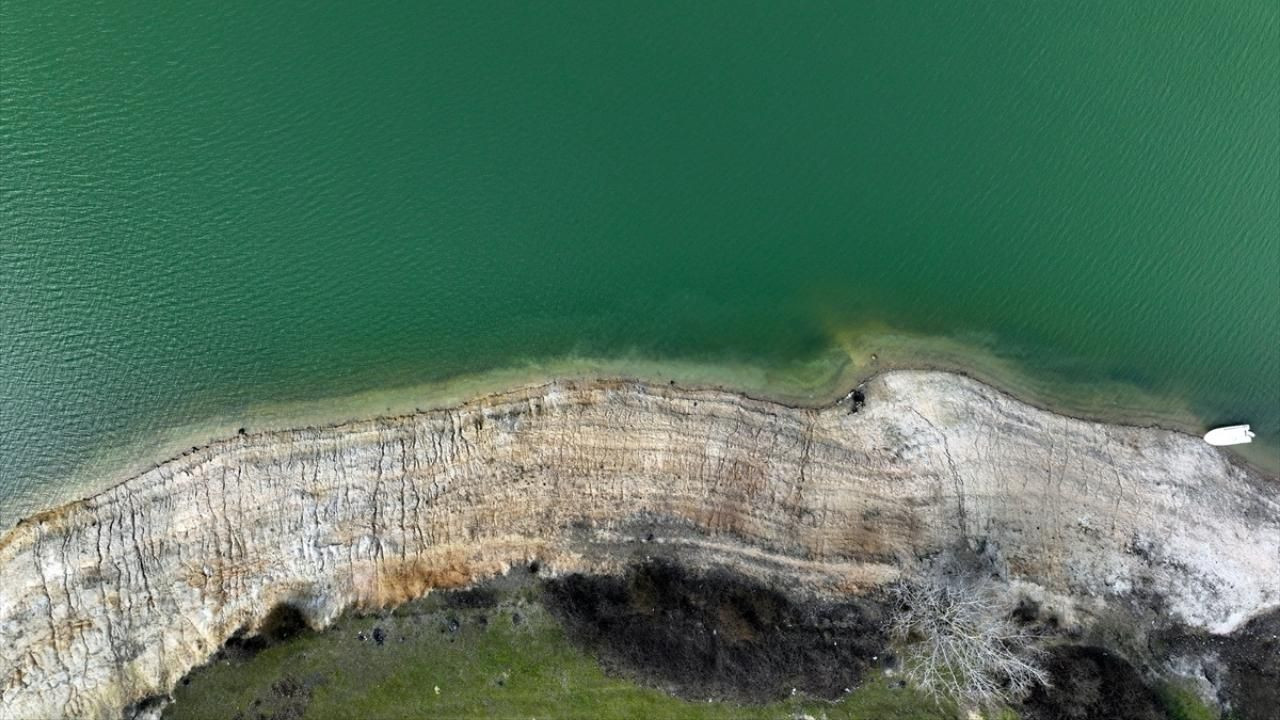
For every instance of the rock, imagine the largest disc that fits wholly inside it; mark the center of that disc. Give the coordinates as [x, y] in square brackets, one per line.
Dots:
[106, 602]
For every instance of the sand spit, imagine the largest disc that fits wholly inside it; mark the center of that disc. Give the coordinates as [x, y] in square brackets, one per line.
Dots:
[106, 602]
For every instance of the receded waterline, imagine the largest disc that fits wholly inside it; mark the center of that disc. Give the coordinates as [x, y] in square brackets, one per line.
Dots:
[854, 355]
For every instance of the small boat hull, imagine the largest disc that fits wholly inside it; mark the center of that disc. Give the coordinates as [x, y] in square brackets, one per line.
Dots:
[1230, 435]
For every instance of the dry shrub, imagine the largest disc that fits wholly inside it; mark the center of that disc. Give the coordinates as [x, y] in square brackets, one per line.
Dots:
[959, 643]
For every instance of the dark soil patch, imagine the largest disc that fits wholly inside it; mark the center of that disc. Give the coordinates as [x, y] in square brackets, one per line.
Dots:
[145, 707]
[1252, 654]
[287, 700]
[241, 646]
[283, 622]
[477, 597]
[1089, 683]
[1250, 687]
[717, 634]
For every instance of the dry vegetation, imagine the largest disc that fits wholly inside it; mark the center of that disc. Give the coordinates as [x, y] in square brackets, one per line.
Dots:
[960, 644]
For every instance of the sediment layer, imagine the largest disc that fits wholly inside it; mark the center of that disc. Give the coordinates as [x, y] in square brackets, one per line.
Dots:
[110, 600]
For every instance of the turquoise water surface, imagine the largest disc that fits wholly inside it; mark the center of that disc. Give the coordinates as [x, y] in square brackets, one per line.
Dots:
[206, 206]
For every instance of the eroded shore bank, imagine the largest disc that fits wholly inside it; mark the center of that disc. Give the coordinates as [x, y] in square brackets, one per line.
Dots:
[110, 600]
[856, 356]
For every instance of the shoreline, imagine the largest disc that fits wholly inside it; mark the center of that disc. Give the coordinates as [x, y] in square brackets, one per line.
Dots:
[136, 584]
[827, 400]
[815, 383]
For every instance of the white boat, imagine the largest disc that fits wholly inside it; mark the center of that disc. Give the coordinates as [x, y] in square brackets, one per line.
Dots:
[1230, 435]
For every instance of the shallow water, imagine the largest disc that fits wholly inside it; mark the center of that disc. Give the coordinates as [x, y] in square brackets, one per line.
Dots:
[212, 209]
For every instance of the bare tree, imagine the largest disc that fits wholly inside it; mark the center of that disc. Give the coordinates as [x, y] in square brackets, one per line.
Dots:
[959, 642]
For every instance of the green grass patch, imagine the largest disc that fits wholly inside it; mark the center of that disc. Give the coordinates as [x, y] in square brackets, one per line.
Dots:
[1181, 703]
[507, 662]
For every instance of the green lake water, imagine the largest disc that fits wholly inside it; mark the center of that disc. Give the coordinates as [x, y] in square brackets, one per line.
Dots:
[209, 207]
